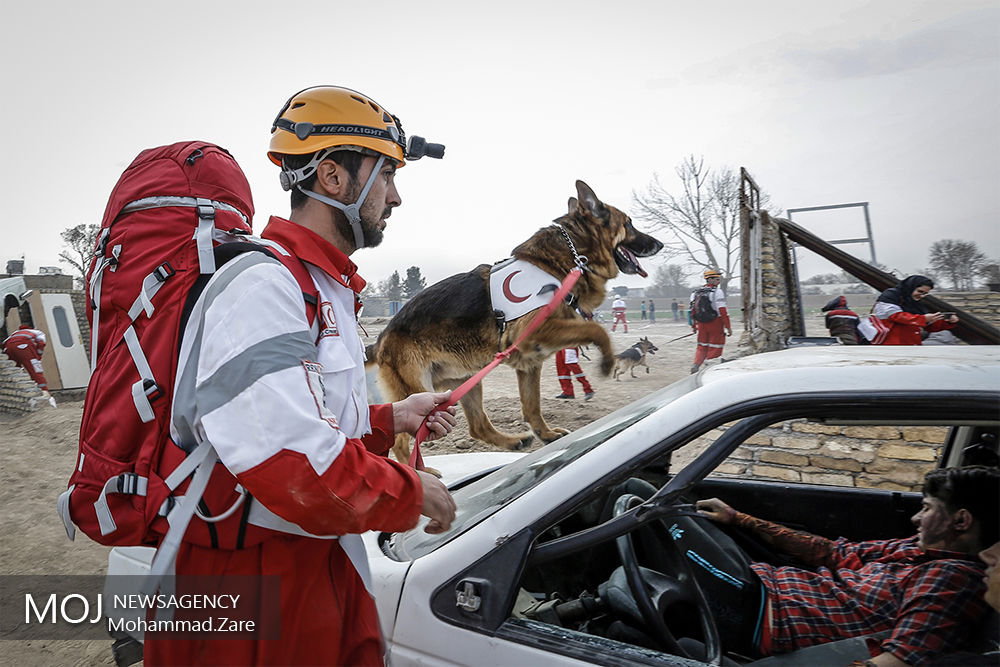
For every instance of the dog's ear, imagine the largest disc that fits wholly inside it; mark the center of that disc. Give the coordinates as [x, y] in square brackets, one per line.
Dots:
[589, 201]
[572, 205]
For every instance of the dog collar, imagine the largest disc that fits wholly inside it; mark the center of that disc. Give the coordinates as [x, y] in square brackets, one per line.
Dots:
[578, 259]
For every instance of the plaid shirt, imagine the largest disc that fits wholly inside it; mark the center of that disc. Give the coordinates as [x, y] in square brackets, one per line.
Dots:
[929, 600]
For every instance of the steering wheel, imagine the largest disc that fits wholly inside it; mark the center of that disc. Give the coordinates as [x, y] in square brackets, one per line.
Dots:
[653, 591]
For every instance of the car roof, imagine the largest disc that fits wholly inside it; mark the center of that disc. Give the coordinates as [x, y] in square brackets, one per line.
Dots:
[979, 365]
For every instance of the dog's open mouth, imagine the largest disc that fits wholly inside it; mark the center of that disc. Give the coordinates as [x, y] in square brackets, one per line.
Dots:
[627, 262]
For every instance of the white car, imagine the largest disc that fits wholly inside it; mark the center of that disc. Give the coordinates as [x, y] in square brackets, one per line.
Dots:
[542, 562]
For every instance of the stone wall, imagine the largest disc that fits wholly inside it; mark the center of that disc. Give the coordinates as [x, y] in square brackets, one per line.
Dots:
[18, 392]
[883, 457]
[79, 299]
[985, 305]
[769, 291]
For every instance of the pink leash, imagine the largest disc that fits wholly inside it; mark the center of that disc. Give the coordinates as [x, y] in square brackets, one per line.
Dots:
[416, 460]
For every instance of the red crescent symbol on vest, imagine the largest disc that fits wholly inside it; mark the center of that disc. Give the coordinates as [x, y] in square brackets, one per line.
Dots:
[510, 295]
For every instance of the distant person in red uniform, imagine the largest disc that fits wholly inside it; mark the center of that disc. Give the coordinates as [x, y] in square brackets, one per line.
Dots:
[618, 308]
[900, 308]
[25, 347]
[711, 321]
[567, 368]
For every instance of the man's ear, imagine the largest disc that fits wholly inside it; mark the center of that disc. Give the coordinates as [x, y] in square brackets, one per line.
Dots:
[331, 178]
[962, 520]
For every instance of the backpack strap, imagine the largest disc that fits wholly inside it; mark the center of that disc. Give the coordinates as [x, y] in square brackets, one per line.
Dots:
[301, 274]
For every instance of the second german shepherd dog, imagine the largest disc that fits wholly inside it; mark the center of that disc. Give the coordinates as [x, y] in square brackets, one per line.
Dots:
[634, 356]
[449, 331]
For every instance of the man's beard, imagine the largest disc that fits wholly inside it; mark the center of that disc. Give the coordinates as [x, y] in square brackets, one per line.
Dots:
[370, 232]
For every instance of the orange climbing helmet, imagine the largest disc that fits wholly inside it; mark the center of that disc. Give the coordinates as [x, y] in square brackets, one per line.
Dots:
[333, 117]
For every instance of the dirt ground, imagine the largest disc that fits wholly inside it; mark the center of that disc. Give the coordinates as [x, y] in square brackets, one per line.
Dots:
[38, 451]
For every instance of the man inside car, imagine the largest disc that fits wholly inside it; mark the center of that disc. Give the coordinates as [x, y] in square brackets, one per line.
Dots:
[923, 593]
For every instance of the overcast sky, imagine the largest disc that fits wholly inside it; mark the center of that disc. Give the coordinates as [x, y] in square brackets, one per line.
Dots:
[895, 102]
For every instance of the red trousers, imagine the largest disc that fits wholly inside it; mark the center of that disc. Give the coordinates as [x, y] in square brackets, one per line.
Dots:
[711, 339]
[619, 317]
[327, 616]
[29, 360]
[567, 371]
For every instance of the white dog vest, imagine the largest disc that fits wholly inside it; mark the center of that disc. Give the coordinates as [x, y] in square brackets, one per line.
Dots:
[518, 287]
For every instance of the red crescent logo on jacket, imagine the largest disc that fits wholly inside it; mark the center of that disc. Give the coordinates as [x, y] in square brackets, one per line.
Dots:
[510, 295]
[328, 319]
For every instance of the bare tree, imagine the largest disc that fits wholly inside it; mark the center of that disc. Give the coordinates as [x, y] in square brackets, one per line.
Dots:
[370, 291]
[703, 220]
[81, 240]
[670, 280]
[960, 261]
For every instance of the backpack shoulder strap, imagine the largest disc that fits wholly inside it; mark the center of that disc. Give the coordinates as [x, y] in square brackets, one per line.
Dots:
[309, 292]
[224, 252]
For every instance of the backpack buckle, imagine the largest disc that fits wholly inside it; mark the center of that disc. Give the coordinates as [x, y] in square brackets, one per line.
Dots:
[151, 390]
[206, 211]
[128, 482]
[164, 271]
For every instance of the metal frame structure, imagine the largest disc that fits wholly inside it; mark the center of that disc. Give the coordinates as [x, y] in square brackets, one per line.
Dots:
[795, 258]
[868, 223]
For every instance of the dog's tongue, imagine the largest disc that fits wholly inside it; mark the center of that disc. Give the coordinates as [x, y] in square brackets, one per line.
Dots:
[635, 262]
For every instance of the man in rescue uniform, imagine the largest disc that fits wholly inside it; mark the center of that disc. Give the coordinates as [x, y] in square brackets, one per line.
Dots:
[286, 407]
[618, 308]
[567, 368]
[25, 347]
[711, 338]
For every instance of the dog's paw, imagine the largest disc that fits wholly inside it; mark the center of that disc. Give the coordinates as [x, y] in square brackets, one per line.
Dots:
[524, 443]
[553, 434]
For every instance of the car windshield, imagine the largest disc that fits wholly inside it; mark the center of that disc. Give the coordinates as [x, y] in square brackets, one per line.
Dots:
[479, 500]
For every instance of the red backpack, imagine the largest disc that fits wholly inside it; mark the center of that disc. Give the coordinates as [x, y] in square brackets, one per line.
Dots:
[157, 247]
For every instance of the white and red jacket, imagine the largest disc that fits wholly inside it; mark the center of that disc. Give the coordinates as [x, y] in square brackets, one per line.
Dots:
[285, 412]
[27, 338]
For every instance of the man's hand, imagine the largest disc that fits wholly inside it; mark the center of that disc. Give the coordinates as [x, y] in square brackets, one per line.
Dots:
[438, 505]
[729, 332]
[931, 318]
[716, 510]
[409, 413]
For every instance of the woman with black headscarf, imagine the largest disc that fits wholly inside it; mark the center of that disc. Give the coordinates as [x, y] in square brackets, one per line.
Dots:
[900, 309]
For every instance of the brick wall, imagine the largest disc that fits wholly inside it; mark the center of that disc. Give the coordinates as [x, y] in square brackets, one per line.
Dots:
[18, 392]
[79, 299]
[769, 293]
[884, 457]
[985, 305]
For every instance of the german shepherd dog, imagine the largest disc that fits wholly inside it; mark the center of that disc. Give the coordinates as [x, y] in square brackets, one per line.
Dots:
[449, 331]
[634, 356]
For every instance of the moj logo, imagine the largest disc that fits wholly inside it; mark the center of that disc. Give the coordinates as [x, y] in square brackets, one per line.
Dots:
[73, 608]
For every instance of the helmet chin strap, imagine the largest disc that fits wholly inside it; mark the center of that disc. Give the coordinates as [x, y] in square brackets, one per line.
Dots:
[352, 211]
